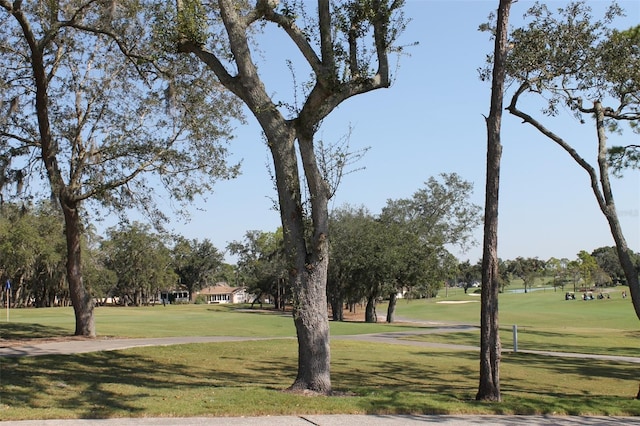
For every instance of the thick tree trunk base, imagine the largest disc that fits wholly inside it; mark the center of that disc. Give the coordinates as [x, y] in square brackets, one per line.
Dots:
[488, 397]
[304, 391]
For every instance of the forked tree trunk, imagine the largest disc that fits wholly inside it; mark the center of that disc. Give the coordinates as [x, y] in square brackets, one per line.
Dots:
[307, 246]
[308, 251]
[490, 349]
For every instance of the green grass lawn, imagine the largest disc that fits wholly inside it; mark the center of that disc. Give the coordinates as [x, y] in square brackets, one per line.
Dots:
[168, 321]
[248, 378]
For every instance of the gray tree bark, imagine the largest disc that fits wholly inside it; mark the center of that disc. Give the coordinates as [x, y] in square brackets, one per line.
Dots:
[490, 348]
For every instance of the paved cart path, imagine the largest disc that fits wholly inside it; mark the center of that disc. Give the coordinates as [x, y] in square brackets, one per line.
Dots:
[80, 345]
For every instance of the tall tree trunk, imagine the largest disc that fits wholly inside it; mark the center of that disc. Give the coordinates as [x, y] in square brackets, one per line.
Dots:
[391, 309]
[80, 297]
[82, 303]
[490, 349]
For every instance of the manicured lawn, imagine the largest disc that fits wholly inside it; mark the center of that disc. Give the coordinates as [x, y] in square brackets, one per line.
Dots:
[249, 378]
[545, 321]
[171, 320]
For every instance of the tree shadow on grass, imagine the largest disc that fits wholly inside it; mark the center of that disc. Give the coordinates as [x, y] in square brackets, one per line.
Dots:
[556, 341]
[96, 385]
[398, 386]
[23, 331]
[126, 383]
[423, 388]
[592, 369]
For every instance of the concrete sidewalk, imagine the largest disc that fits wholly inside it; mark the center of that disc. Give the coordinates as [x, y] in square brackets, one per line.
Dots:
[343, 420]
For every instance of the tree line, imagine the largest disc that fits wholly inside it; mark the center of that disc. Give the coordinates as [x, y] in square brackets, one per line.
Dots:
[375, 257]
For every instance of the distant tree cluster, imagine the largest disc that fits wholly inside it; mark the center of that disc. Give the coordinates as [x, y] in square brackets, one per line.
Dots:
[403, 250]
[130, 266]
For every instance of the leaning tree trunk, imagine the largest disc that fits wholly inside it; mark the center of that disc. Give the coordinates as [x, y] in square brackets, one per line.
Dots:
[80, 297]
[608, 208]
[490, 349]
[624, 255]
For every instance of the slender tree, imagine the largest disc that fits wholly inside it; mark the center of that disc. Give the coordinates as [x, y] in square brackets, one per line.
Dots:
[336, 42]
[490, 348]
[92, 112]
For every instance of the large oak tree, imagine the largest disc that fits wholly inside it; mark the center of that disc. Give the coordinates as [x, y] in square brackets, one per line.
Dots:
[90, 112]
[345, 45]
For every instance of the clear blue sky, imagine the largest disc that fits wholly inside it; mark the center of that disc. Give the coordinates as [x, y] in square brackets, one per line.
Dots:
[429, 122]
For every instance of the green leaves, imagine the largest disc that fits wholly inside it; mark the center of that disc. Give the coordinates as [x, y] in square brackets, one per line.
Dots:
[192, 21]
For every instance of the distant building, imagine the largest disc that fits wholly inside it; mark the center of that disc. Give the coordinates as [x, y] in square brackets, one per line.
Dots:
[223, 293]
[174, 296]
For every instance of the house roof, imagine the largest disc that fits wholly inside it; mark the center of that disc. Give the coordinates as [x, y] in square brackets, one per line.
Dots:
[221, 288]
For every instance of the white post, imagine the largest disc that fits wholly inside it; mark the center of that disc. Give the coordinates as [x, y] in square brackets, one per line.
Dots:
[515, 338]
[8, 302]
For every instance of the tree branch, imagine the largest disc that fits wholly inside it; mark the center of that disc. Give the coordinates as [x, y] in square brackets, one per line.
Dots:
[512, 108]
[299, 38]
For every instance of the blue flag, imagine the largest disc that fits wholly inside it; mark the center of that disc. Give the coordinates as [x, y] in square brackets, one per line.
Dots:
[7, 285]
